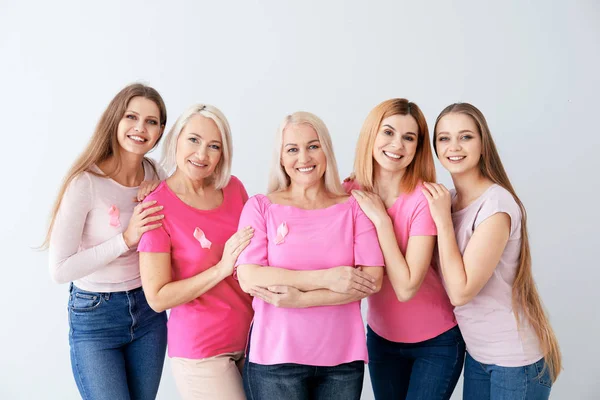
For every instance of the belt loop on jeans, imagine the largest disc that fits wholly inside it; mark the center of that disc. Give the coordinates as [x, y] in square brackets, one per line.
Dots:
[70, 287]
[106, 296]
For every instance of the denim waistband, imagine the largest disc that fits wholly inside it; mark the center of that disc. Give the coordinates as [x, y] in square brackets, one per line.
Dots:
[106, 295]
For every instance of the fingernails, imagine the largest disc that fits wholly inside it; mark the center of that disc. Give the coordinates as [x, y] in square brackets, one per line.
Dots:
[161, 207]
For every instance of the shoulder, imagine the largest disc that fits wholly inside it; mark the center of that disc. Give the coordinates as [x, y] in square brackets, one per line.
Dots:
[350, 185]
[501, 198]
[259, 202]
[235, 184]
[160, 194]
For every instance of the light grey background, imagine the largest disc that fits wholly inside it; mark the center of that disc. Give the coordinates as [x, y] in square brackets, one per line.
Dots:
[531, 67]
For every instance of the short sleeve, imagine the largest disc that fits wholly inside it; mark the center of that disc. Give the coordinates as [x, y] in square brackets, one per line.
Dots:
[499, 200]
[349, 186]
[366, 245]
[240, 188]
[422, 223]
[253, 215]
[156, 240]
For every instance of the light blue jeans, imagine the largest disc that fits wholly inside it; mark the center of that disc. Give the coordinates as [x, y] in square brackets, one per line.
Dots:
[117, 344]
[492, 382]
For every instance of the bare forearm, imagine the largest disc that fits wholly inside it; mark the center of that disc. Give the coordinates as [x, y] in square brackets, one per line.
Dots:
[451, 261]
[251, 275]
[180, 292]
[324, 297]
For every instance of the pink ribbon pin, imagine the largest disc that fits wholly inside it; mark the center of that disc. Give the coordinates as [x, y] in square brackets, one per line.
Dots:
[282, 232]
[201, 237]
[114, 213]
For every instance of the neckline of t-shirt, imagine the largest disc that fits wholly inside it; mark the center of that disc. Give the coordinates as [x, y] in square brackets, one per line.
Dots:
[345, 202]
[174, 195]
[99, 170]
[471, 204]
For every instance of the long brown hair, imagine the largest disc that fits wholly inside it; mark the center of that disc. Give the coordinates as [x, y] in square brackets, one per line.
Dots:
[104, 143]
[525, 297]
[420, 169]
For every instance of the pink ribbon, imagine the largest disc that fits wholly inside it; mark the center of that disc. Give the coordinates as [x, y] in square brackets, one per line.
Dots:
[201, 237]
[114, 213]
[282, 232]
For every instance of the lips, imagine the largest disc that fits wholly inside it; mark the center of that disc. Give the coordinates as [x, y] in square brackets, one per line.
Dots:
[137, 139]
[305, 170]
[393, 156]
[456, 159]
[197, 164]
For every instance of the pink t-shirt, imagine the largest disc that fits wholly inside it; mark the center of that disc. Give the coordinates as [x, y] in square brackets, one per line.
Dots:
[429, 313]
[317, 239]
[218, 321]
[488, 322]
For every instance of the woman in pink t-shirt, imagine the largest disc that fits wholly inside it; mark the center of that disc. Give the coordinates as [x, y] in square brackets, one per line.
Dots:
[512, 352]
[308, 338]
[415, 348]
[186, 265]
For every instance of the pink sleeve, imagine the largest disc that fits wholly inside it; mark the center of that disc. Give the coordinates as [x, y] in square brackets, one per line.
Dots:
[349, 186]
[67, 261]
[421, 223]
[253, 215]
[157, 240]
[366, 245]
[501, 201]
[242, 189]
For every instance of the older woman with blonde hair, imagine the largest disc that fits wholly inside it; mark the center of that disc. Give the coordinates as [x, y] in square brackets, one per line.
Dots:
[187, 264]
[303, 267]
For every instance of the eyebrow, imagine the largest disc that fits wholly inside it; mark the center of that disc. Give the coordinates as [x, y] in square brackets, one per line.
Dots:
[407, 133]
[136, 113]
[294, 144]
[461, 131]
[200, 136]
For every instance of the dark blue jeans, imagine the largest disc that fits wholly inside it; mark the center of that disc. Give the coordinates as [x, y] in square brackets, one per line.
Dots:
[303, 382]
[425, 370]
[492, 382]
[117, 344]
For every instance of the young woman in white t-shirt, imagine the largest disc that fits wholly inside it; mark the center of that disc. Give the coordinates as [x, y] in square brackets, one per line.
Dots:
[484, 256]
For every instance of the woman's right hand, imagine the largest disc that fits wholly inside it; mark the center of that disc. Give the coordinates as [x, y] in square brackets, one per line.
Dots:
[349, 280]
[233, 247]
[141, 221]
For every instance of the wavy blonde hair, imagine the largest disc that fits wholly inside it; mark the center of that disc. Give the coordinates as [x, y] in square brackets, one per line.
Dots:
[525, 296]
[279, 179]
[222, 172]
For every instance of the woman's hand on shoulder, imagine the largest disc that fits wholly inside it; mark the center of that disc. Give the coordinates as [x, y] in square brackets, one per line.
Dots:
[142, 221]
[146, 187]
[440, 202]
[372, 206]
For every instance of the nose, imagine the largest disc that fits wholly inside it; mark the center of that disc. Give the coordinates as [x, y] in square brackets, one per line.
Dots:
[139, 126]
[303, 156]
[454, 145]
[396, 141]
[201, 152]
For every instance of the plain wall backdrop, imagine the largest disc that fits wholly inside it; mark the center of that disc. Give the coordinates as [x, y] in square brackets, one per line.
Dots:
[532, 67]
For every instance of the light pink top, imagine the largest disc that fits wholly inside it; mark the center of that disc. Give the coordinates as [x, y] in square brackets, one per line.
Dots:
[87, 245]
[429, 313]
[488, 323]
[218, 321]
[316, 239]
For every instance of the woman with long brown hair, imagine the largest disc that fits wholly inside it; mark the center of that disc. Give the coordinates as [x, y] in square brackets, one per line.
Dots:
[512, 352]
[416, 350]
[117, 341]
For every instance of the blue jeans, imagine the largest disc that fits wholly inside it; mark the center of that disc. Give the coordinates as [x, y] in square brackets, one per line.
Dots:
[302, 382]
[425, 370]
[492, 382]
[117, 344]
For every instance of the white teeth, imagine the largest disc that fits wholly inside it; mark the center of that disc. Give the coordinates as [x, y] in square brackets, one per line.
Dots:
[137, 138]
[396, 156]
[456, 158]
[197, 165]
[306, 169]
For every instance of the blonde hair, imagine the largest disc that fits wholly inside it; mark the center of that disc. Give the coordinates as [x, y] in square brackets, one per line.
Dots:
[279, 179]
[525, 296]
[222, 172]
[421, 169]
[104, 142]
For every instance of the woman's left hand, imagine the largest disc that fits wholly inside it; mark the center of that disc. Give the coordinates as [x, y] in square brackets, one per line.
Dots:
[440, 202]
[279, 296]
[146, 187]
[372, 206]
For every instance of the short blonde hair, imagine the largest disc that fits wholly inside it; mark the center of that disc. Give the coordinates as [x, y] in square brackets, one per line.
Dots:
[279, 179]
[169, 158]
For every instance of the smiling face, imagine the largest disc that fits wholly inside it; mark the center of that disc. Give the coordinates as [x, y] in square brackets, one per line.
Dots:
[396, 143]
[458, 143]
[199, 148]
[139, 129]
[302, 156]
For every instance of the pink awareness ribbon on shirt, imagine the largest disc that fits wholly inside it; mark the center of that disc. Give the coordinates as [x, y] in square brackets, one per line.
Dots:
[114, 213]
[282, 232]
[201, 237]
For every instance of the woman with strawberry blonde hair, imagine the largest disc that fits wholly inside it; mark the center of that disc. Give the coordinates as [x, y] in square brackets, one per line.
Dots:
[512, 352]
[416, 350]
